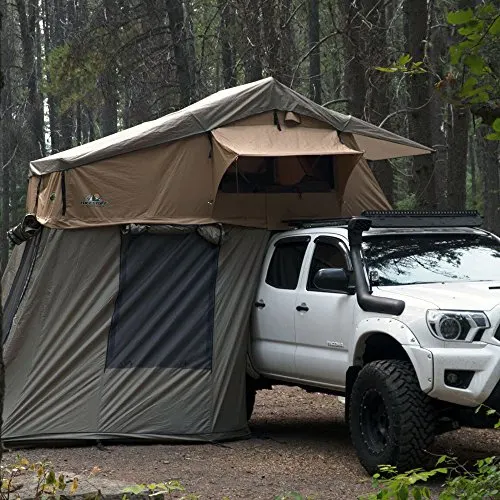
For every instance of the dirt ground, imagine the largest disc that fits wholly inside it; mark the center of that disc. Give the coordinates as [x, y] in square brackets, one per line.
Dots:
[299, 443]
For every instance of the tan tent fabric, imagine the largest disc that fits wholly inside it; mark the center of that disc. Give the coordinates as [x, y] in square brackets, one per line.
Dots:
[269, 210]
[362, 191]
[178, 183]
[170, 171]
[379, 150]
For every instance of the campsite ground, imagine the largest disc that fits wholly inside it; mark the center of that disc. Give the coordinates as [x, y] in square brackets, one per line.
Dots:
[299, 443]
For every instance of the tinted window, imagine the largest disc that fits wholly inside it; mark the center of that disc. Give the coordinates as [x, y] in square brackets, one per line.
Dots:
[284, 268]
[326, 255]
[433, 258]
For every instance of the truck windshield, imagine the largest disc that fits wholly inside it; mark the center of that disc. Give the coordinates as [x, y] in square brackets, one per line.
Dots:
[431, 258]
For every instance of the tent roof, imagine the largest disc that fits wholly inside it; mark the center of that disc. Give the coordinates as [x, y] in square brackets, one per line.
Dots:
[220, 109]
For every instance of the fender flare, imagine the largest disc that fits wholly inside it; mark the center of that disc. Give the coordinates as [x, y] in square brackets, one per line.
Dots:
[421, 359]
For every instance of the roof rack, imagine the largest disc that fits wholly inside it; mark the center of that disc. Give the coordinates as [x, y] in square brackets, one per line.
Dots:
[399, 219]
[420, 218]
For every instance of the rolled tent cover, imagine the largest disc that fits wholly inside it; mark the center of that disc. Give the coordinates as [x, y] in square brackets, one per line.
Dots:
[178, 169]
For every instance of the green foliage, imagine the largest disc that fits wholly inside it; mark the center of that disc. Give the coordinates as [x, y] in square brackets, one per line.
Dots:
[407, 203]
[402, 486]
[48, 483]
[472, 80]
[165, 490]
[72, 77]
[405, 65]
[473, 54]
[482, 482]
[495, 135]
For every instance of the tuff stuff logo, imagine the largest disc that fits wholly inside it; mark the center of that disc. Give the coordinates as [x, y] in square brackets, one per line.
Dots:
[94, 200]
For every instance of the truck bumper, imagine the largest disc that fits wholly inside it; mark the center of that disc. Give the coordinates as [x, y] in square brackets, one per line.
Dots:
[479, 367]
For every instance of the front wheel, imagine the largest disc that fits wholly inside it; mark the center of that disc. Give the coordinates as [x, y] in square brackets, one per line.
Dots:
[391, 420]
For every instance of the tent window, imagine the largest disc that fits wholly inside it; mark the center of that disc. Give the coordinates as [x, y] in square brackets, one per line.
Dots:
[164, 312]
[285, 174]
[286, 262]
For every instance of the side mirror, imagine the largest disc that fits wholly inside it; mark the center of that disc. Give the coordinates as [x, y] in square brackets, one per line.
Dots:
[334, 279]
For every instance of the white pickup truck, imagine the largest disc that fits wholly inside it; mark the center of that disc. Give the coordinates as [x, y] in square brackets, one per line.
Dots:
[397, 311]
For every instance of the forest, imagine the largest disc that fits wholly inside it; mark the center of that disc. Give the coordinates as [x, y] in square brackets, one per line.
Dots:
[77, 70]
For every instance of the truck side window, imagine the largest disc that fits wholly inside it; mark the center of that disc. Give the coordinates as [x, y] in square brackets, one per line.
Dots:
[326, 255]
[285, 265]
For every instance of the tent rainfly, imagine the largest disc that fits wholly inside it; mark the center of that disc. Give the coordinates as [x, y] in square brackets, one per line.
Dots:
[127, 296]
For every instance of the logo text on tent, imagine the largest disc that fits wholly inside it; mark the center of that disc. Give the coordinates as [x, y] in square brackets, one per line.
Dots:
[94, 200]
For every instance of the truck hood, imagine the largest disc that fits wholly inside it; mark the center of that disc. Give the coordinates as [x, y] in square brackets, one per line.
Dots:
[475, 296]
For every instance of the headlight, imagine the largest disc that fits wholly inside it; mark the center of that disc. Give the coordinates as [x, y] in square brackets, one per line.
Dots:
[456, 325]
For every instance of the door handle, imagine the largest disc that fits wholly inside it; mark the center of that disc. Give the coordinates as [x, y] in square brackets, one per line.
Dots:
[260, 304]
[302, 308]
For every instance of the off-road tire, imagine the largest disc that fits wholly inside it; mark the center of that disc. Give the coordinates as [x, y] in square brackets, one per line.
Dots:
[250, 396]
[409, 416]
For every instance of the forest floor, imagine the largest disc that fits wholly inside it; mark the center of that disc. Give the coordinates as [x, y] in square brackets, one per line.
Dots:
[299, 443]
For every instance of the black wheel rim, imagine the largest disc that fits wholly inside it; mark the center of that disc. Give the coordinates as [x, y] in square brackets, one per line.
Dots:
[374, 421]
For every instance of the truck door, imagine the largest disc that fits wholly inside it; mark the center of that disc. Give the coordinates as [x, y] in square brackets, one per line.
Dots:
[323, 320]
[273, 335]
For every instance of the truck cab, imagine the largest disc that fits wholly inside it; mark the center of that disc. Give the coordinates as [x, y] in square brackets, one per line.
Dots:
[398, 312]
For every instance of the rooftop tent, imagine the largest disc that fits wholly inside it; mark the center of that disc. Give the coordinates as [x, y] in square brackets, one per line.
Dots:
[169, 170]
[127, 297]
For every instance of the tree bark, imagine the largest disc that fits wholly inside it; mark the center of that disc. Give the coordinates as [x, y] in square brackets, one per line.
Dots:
[473, 174]
[419, 90]
[437, 53]
[180, 30]
[315, 55]
[488, 156]
[457, 158]
[251, 49]
[27, 23]
[227, 46]
[2, 369]
[108, 83]
[354, 75]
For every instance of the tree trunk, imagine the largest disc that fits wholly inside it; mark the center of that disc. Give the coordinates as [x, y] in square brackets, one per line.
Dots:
[419, 90]
[2, 371]
[286, 49]
[457, 158]
[251, 49]
[315, 54]
[354, 76]
[27, 23]
[377, 103]
[488, 156]
[473, 175]
[227, 46]
[69, 15]
[180, 30]
[108, 83]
